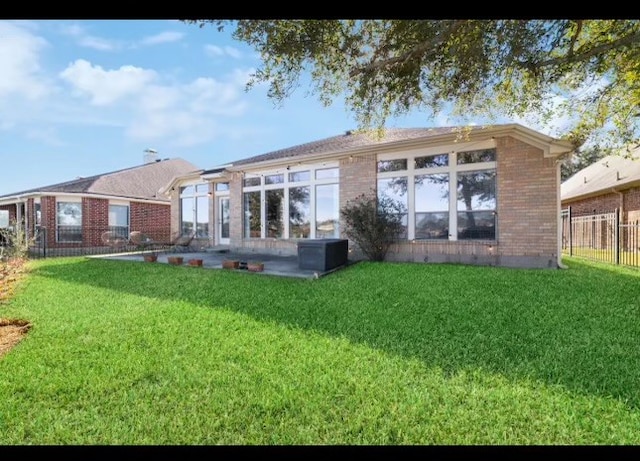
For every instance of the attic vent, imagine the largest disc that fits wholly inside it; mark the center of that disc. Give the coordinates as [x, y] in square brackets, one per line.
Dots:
[585, 179]
[348, 132]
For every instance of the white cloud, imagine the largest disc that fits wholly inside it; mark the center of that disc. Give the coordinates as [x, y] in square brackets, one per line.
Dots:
[163, 37]
[20, 72]
[215, 51]
[89, 41]
[106, 86]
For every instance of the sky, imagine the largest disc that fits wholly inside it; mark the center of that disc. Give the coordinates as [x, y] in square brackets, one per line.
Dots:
[85, 97]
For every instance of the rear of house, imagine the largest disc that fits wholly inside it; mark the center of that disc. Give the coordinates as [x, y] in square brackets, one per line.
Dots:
[76, 214]
[477, 195]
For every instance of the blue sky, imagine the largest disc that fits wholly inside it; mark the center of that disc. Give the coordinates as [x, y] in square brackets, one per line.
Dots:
[80, 98]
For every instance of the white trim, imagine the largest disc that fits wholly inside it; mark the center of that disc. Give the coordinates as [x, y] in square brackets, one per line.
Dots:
[78, 195]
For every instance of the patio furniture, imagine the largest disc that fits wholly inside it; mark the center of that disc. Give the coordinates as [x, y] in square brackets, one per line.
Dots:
[114, 240]
[182, 243]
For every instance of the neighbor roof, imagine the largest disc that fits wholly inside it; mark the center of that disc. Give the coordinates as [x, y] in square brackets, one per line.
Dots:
[142, 181]
[615, 171]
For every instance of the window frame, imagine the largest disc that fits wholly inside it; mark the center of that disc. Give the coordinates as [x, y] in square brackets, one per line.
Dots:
[288, 183]
[195, 190]
[452, 169]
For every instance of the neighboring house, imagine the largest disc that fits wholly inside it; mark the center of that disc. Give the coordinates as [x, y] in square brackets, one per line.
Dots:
[608, 184]
[480, 195]
[76, 213]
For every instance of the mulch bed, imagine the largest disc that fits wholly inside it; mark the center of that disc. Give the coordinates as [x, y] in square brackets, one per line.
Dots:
[11, 330]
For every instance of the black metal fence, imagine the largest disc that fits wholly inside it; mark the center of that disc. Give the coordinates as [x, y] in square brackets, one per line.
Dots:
[80, 241]
[601, 237]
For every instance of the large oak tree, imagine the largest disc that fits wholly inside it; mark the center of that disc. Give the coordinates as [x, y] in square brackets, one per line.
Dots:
[586, 72]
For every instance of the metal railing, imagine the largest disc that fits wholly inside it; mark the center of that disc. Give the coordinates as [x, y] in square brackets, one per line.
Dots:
[601, 237]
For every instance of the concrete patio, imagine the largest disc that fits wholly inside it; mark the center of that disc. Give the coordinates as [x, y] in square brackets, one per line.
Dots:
[286, 266]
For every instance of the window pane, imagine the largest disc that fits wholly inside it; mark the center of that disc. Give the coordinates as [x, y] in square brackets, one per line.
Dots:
[327, 211]
[297, 176]
[69, 214]
[202, 188]
[477, 156]
[299, 212]
[477, 190]
[432, 225]
[275, 212]
[252, 219]
[432, 192]
[202, 217]
[430, 161]
[119, 220]
[187, 218]
[396, 190]
[327, 173]
[392, 165]
[69, 221]
[222, 186]
[274, 179]
[187, 190]
[249, 182]
[118, 215]
[476, 225]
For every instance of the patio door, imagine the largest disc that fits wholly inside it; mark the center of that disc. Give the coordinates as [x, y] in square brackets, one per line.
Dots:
[223, 220]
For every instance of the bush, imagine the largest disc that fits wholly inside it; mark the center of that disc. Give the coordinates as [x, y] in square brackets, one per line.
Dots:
[13, 242]
[373, 223]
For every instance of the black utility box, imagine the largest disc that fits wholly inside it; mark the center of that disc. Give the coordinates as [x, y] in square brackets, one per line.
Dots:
[322, 254]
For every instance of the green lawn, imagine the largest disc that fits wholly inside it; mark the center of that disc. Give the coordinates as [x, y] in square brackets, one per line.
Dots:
[378, 353]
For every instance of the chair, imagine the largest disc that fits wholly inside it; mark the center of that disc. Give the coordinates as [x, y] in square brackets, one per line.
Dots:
[113, 240]
[142, 241]
[182, 243]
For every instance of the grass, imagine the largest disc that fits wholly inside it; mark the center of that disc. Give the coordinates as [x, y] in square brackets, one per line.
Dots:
[124, 353]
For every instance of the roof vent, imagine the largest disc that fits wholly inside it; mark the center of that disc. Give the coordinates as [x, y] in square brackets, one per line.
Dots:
[150, 156]
[348, 133]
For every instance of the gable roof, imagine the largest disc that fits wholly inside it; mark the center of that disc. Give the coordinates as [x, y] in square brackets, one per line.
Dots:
[602, 176]
[142, 181]
[359, 142]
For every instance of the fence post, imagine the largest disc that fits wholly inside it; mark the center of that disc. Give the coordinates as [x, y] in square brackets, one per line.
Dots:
[616, 236]
[570, 232]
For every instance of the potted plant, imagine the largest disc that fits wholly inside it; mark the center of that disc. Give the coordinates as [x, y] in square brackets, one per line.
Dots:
[175, 260]
[255, 266]
[195, 262]
[150, 257]
[230, 264]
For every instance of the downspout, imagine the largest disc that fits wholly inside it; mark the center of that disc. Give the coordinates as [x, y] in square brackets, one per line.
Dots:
[621, 195]
[559, 216]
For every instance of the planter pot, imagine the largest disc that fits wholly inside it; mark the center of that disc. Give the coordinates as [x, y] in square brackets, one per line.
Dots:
[255, 267]
[230, 264]
[150, 258]
[195, 262]
[175, 260]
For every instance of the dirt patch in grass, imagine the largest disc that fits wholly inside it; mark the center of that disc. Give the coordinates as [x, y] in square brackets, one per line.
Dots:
[11, 330]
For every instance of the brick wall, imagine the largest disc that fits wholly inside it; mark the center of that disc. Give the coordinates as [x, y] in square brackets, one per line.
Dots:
[95, 220]
[628, 201]
[528, 214]
[152, 219]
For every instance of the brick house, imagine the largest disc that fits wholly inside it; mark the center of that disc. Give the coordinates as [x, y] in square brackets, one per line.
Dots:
[608, 184]
[478, 195]
[76, 213]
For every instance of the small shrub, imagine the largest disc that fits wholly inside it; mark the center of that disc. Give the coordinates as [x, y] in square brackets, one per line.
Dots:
[373, 223]
[14, 242]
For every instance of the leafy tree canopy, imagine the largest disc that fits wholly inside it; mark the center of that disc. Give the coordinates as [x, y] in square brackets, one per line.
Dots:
[586, 72]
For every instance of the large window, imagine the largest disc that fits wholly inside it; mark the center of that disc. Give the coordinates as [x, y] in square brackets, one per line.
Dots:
[194, 210]
[69, 222]
[450, 194]
[298, 203]
[119, 220]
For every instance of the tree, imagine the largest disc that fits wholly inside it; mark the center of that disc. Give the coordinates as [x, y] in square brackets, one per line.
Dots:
[585, 70]
[373, 223]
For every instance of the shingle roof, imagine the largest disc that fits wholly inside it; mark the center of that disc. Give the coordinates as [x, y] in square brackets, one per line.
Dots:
[142, 181]
[614, 171]
[352, 140]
